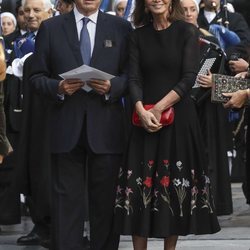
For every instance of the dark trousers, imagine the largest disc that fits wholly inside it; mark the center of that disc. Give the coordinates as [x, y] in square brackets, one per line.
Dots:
[68, 199]
[10, 212]
[40, 219]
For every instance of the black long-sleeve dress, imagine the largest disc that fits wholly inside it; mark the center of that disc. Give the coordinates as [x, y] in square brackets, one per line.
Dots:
[163, 189]
[217, 134]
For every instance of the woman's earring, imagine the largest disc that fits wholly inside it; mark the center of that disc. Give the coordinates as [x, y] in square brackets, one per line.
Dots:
[170, 8]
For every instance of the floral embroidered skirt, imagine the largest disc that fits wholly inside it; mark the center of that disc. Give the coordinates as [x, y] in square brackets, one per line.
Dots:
[163, 189]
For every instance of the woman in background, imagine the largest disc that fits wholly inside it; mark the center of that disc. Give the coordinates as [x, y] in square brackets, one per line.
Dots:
[8, 23]
[5, 147]
[213, 117]
[120, 7]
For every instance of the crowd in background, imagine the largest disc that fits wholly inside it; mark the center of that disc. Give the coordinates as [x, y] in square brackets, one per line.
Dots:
[25, 161]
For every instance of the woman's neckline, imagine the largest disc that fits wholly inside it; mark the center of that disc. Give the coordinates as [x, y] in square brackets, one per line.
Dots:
[164, 29]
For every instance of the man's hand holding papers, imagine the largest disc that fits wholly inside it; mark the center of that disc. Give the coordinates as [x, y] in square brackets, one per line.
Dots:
[70, 86]
[87, 78]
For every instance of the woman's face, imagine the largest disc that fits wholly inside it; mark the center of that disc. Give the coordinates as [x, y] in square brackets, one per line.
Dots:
[120, 8]
[190, 10]
[8, 25]
[158, 7]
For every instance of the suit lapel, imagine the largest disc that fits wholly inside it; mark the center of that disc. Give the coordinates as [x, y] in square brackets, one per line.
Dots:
[72, 37]
[99, 36]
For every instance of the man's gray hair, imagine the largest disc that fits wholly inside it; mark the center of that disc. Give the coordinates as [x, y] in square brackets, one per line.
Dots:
[47, 4]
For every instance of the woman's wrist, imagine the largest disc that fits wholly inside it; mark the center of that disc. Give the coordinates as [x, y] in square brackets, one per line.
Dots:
[159, 107]
[248, 72]
[248, 93]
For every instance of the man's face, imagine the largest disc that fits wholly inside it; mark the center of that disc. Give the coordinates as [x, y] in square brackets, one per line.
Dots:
[210, 5]
[35, 13]
[87, 7]
[21, 19]
[63, 7]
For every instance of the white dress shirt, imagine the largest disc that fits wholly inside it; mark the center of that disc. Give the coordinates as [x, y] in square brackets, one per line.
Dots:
[91, 26]
[210, 15]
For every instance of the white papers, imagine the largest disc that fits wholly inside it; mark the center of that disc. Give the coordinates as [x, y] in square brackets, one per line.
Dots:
[86, 73]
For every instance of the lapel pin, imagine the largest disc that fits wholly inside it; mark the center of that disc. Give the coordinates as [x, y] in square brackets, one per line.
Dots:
[108, 43]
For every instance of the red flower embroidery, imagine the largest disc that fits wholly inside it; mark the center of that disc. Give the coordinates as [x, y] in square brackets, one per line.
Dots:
[148, 182]
[165, 181]
[150, 162]
[165, 162]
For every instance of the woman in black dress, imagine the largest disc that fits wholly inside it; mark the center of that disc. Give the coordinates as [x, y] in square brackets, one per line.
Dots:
[164, 190]
[5, 147]
[213, 117]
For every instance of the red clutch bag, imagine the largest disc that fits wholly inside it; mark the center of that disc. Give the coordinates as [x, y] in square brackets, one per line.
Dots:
[167, 116]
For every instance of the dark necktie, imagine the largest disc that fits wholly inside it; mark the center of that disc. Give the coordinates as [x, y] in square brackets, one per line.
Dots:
[30, 35]
[85, 42]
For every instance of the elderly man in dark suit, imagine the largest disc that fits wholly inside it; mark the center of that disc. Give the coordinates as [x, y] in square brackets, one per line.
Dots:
[84, 125]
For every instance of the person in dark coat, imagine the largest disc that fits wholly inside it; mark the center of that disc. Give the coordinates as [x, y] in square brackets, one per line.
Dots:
[34, 161]
[9, 191]
[5, 147]
[213, 117]
[243, 7]
[8, 5]
[212, 13]
[84, 125]
[26, 173]
[238, 100]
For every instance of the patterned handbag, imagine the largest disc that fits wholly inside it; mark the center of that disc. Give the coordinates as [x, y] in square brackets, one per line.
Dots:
[226, 84]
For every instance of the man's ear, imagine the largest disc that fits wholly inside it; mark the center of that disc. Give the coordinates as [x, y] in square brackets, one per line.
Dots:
[50, 12]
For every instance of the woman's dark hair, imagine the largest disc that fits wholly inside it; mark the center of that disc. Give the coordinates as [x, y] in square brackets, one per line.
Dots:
[141, 16]
[68, 1]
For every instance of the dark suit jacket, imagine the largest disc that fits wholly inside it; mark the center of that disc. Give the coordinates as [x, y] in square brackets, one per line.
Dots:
[12, 88]
[58, 50]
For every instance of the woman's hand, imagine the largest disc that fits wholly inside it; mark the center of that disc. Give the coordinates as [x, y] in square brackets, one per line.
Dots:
[242, 74]
[205, 80]
[156, 112]
[149, 120]
[237, 99]
[238, 65]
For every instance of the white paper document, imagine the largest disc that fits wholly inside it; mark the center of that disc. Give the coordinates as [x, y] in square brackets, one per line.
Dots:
[86, 73]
